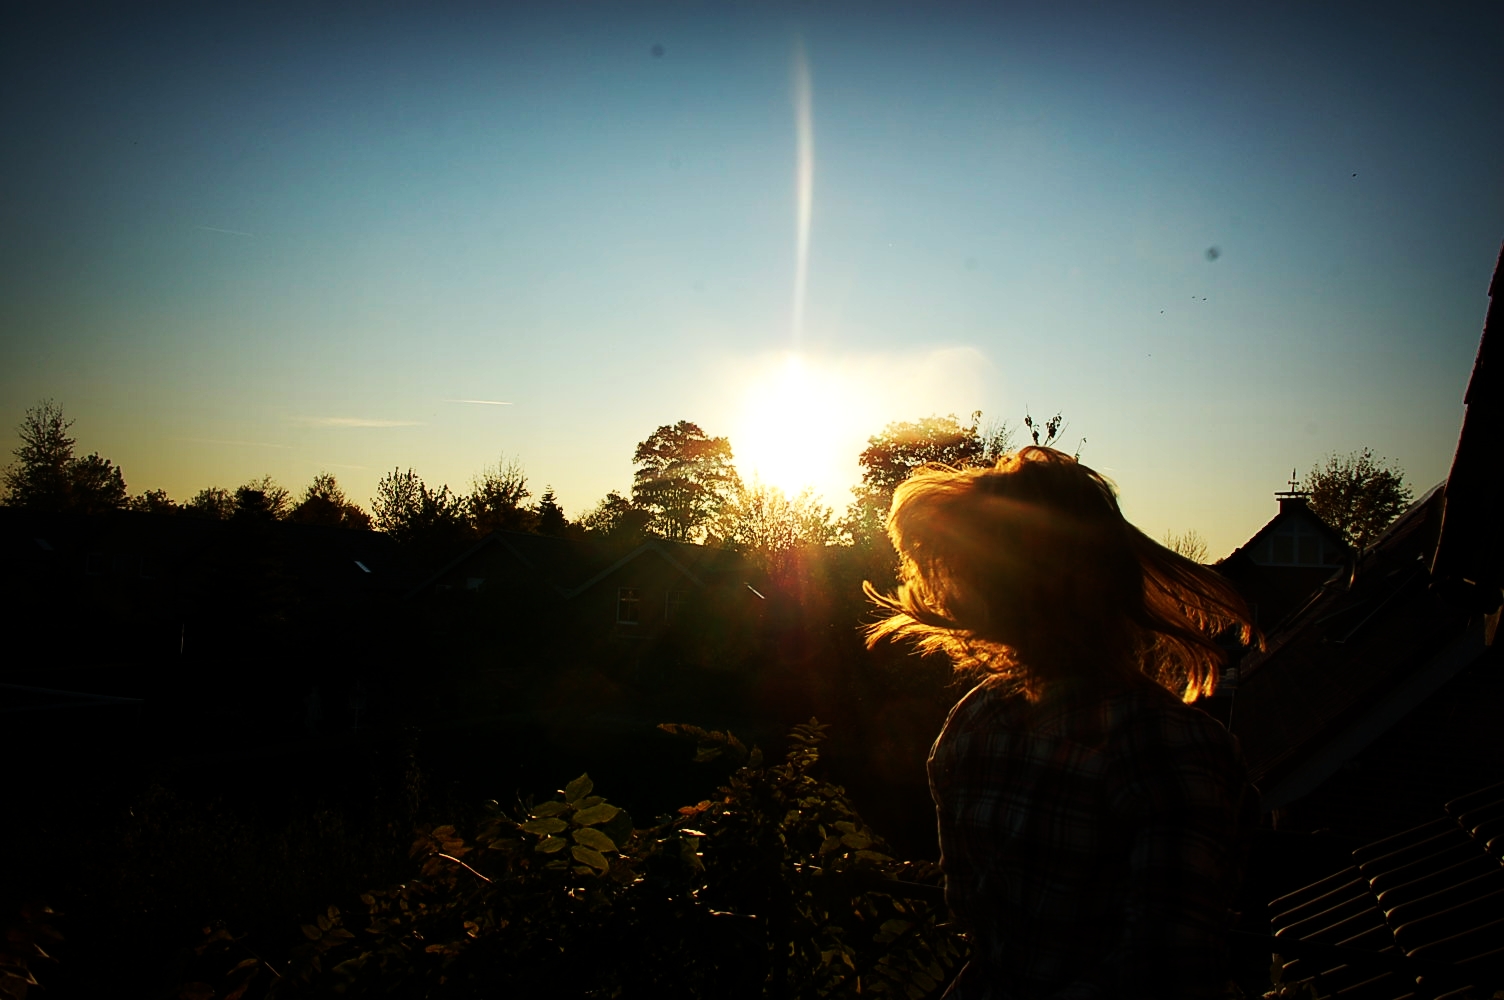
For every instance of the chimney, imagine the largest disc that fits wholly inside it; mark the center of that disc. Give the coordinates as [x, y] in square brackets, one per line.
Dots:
[1293, 498]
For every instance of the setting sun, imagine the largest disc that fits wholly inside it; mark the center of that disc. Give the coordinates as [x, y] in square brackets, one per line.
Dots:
[798, 422]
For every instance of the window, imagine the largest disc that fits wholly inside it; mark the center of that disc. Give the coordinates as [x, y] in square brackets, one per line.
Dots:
[1296, 543]
[474, 582]
[672, 605]
[628, 605]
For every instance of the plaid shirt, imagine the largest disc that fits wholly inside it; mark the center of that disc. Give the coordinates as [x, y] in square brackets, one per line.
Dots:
[1091, 842]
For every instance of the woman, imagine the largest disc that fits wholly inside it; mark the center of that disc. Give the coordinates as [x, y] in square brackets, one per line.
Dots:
[1092, 824]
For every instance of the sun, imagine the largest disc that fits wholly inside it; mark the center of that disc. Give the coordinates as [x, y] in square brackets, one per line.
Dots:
[798, 421]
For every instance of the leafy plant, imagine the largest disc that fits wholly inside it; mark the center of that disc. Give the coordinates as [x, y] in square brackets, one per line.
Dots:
[772, 887]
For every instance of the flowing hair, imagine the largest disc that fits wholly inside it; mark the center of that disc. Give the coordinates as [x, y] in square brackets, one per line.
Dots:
[1029, 569]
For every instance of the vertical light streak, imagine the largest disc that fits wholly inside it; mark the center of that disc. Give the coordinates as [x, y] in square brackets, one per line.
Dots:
[804, 128]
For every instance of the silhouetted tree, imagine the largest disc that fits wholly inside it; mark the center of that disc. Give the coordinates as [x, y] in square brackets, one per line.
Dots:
[261, 500]
[904, 446]
[770, 528]
[405, 508]
[211, 501]
[95, 484]
[1187, 543]
[46, 476]
[551, 519]
[39, 478]
[326, 504]
[154, 502]
[1358, 494]
[496, 495]
[685, 477]
[616, 519]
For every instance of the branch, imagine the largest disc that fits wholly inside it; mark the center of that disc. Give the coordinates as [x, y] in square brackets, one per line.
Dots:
[472, 871]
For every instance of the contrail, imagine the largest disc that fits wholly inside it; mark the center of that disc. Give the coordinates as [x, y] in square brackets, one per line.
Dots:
[482, 402]
[356, 422]
[230, 232]
[804, 128]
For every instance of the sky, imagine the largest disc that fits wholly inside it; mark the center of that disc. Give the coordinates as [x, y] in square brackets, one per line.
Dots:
[1223, 240]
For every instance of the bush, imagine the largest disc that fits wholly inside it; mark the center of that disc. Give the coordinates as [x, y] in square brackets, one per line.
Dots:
[773, 887]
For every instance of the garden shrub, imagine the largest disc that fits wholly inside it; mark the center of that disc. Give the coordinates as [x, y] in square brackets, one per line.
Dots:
[773, 887]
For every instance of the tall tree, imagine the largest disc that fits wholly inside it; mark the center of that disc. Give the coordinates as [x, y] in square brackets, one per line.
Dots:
[95, 484]
[551, 519]
[771, 528]
[1357, 493]
[326, 504]
[154, 502]
[496, 495]
[407, 509]
[685, 477]
[904, 446]
[39, 477]
[212, 501]
[616, 519]
[262, 499]
[46, 476]
[1187, 543]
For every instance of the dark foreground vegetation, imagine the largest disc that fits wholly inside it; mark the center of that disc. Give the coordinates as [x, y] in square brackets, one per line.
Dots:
[771, 884]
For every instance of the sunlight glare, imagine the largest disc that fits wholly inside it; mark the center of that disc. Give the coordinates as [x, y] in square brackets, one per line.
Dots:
[794, 430]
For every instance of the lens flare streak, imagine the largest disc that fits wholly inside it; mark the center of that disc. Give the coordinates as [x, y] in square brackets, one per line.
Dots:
[804, 128]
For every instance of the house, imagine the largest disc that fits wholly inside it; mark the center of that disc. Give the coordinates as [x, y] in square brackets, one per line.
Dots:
[1382, 693]
[1286, 560]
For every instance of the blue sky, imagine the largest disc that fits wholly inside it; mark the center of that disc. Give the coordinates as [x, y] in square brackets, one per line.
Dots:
[280, 238]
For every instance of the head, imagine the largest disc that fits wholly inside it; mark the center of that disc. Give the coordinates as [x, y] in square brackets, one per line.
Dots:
[1028, 568]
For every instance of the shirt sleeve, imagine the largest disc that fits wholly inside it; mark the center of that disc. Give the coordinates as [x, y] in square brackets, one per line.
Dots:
[1187, 811]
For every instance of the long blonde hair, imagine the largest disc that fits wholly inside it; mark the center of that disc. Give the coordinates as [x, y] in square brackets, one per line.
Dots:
[1029, 569]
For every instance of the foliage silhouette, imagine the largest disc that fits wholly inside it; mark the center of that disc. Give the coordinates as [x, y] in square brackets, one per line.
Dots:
[771, 528]
[903, 446]
[211, 501]
[551, 519]
[1358, 494]
[772, 887]
[261, 500]
[325, 503]
[406, 509]
[496, 496]
[617, 519]
[46, 476]
[685, 478]
[1188, 543]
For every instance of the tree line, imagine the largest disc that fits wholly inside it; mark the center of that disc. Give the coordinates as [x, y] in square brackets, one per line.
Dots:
[685, 487]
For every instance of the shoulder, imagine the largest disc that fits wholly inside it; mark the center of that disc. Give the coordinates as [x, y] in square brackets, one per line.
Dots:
[1168, 751]
[988, 714]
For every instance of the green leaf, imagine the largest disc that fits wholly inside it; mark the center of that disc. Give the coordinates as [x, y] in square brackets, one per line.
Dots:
[857, 841]
[595, 859]
[551, 844]
[578, 788]
[312, 932]
[544, 827]
[588, 801]
[591, 837]
[895, 927]
[619, 827]
[601, 813]
[548, 809]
